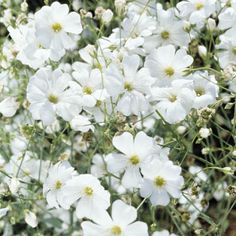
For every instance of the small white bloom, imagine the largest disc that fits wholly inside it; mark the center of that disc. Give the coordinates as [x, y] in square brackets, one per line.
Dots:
[202, 50]
[55, 27]
[54, 185]
[211, 24]
[136, 153]
[198, 172]
[3, 211]
[121, 222]
[175, 102]
[93, 199]
[107, 16]
[181, 129]
[9, 106]
[167, 64]
[196, 10]
[204, 132]
[163, 233]
[162, 179]
[31, 219]
[81, 123]
[14, 185]
[98, 168]
[134, 85]
[49, 93]
[205, 88]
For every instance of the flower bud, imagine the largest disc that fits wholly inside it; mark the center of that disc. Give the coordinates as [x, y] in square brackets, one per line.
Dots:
[202, 51]
[14, 185]
[204, 132]
[181, 129]
[211, 24]
[24, 6]
[31, 219]
[107, 16]
[120, 6]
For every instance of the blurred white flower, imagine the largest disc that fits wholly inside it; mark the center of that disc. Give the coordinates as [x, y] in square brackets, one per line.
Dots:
[31, 219]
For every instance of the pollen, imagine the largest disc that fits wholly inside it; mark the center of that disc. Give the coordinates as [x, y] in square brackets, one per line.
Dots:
[58, 184]
[199, 6]
[128, 86]
[88, 191]
[53, 99]
[169, 71]
[134, 159]
[159, 181]
[87, 90]
[165, 35]
[200, 91]
[57, 27]
[172, 98]
[116, 230]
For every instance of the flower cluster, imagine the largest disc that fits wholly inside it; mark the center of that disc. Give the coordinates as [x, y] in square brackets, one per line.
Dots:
[112, 120]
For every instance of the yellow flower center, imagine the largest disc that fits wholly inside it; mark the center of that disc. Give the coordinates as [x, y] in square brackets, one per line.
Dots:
[57, 27]
[234, 51]
[165, 35]
[134, 159]
[87, 90]
[88, 191]
[58, 184]
[169, 71]
[200, 91]
[199, 6]
[172, 98]
[53, 99]
[98, 103]
[128, 86]
[116, 230]
[159, 181]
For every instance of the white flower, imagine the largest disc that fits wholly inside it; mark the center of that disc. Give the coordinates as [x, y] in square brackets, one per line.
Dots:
[133, 32]
[199, 174]
[227, 48]
[54, 185]
[18, 144]
[55, 27]
[132, 84]
[9, 106]
[93, 199]
[161, 180]
[167, 64]
[227, 17]
[89, 85]
[31, 219]
[163, 233]
[14, 185]
[202, 51]
[98, 167]
[175, 102]
[107, 16]
[169, 30]
[204, 132]
[3, 211]
[49, 94]
[205, 88]
[211, 24]
[81, 123]
[27, 48]
[136, 152]
[120, 5]
[196, 10]
[121, 222]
